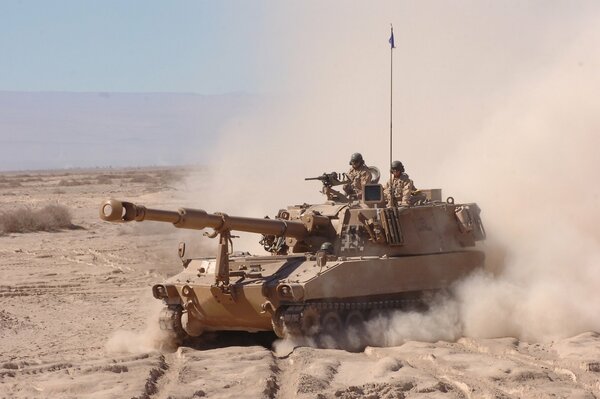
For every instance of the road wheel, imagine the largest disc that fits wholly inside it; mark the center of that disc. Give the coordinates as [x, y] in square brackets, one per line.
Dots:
[310, 321]
[354, 319]
[356, 333]
[331, 323]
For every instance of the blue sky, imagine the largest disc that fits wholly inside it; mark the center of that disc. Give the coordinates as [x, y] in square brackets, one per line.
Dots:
[318, 70]
[215, 47]
[132, 46]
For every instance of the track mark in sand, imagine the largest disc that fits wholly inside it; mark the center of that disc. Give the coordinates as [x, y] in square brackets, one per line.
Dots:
[545, 366]
[492, 369]
[164, 379]
[374, 390]
[155, 373]
[330, 373]
[34, 289]
[109, 377]
[10, 321]
[235, 371]
[94, 258]
[114, 364]
[462, 383]
[279, 379]
[449, 374]
[300, 373]
[26, 290]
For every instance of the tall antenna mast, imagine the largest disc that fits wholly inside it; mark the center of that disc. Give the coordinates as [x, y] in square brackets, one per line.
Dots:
[392, 47]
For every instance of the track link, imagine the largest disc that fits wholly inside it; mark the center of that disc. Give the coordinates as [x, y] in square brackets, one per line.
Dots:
[310, 318]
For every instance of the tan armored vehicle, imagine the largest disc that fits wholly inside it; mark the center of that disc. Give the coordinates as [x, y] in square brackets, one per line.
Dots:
[331, 265]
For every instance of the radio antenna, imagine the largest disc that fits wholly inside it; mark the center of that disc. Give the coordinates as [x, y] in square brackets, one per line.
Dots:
[392, 47]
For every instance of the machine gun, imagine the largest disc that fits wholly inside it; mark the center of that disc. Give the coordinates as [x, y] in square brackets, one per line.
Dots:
[330, 179]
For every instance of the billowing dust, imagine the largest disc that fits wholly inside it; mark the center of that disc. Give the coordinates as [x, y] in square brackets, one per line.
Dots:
[518, 134]
[151, 338]
[533, 169]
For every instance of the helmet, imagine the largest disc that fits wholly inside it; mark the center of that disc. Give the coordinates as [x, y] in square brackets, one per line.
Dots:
[397, 165]
[356, 157]
[327, 247]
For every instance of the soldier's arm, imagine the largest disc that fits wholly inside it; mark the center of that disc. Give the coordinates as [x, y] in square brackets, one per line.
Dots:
[366, 178]
[407, 190]
[388, 194]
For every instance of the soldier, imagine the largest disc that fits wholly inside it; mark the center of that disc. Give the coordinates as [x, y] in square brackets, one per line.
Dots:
[358, 176]
[399, 189]
[324, 254]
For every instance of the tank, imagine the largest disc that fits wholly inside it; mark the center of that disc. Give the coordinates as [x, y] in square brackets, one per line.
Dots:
[328, 266]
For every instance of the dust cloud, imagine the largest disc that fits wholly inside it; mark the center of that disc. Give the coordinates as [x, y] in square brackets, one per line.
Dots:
[538, 189]
[495, 104]
[152, 338]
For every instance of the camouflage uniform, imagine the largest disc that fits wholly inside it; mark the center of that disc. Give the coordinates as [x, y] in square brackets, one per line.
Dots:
[358, 178]
[401, 190]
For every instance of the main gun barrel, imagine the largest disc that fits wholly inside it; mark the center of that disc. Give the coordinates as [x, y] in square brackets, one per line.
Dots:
[186, 218]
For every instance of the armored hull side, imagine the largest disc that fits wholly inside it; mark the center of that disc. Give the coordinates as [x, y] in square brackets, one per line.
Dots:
[380, 277]
[258, 289]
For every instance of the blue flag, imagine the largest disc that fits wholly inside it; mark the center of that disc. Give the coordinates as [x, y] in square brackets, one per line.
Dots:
[392, 39]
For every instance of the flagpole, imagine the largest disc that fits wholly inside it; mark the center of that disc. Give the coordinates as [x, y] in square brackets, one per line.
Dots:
[391, 81]
[392, 46]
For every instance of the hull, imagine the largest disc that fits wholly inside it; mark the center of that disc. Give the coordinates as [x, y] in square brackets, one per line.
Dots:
[256, 301]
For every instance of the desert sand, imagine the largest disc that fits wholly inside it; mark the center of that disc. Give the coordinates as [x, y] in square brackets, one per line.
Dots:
[77, 320]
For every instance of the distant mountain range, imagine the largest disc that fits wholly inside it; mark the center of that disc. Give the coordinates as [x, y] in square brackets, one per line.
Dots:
[53, 130]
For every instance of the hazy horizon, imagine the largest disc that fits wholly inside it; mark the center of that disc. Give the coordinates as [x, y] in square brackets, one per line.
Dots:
[58, 130]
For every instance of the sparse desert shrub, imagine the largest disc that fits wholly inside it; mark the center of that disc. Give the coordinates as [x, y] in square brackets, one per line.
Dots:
[104, 179]
[67, 183]
[71, 182]
[11, 181]
[24, 220]
[10, 184]
[34, 179]
[143, 178]
[170, 175]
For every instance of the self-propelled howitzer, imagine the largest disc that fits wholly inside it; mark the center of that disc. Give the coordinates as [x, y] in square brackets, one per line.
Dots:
[331, 265]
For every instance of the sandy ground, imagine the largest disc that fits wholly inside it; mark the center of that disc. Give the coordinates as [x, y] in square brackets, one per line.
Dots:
[77, 320]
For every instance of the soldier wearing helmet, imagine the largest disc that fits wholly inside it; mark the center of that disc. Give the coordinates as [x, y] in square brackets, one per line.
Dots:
[324, 254]
[327, 247]
[358, 176]
[399, 189]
